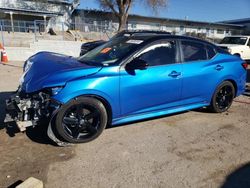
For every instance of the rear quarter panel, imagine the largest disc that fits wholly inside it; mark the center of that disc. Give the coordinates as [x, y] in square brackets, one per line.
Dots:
[233, 70]
[200, 78]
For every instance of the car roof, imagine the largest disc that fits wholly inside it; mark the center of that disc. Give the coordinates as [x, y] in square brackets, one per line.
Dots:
[149, 37]
[154, 36]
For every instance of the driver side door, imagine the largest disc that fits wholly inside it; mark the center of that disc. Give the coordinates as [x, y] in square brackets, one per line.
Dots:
[158, 86]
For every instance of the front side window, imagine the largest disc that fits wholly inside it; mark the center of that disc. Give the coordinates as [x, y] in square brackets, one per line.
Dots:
[193, 51]
[160, 54]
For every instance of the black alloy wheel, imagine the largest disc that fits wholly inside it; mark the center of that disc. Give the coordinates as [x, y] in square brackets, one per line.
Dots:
[81, 120]
[223, 97]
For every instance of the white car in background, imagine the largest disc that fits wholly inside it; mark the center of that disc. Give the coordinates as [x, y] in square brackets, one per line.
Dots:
[237, 45]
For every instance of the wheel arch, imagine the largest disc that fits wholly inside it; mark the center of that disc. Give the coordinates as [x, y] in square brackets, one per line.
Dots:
[104, 102]
[224, 80]
[234, 84]
[109, 101]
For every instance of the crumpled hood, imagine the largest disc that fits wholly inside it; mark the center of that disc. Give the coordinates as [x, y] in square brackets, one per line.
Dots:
[52, 69]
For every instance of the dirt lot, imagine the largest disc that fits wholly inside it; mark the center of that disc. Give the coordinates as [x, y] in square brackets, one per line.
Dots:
[190, 149]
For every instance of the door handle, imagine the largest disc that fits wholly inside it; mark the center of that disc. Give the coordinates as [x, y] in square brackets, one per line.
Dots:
[219, 67]
[174, 74]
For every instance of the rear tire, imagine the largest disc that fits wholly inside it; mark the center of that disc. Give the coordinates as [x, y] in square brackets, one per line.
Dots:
[81, 120]
[223, 97]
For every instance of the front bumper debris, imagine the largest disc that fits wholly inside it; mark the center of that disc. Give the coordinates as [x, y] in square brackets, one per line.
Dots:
[27, 110]
[15, 114]
[52, 135]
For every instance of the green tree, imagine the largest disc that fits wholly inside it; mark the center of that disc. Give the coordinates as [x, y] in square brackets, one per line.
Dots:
[120, 8]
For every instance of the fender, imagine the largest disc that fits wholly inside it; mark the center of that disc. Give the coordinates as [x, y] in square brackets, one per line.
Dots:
[64, 98]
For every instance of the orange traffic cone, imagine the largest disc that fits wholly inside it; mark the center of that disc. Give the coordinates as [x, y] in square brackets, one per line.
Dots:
[4, 57]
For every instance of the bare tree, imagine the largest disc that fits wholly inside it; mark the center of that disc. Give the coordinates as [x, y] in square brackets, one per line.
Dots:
[120, 8]
[156, 4]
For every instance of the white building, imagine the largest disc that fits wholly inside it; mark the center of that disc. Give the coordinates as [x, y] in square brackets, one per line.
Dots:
[33, 15]
[19, 14]
[177, 26]
[244, 21]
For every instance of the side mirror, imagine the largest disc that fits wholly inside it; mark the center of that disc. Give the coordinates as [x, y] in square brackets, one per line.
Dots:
[137, 64]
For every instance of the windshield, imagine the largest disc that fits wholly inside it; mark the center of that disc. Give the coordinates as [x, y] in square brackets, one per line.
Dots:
[112, 51]
[234, 40]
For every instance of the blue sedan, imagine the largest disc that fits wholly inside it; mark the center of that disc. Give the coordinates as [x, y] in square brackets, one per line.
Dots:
[129, 78]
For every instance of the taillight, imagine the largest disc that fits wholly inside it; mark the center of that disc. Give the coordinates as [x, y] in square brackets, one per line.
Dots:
[244, 65]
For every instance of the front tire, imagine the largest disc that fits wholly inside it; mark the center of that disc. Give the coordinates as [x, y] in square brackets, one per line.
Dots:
[223, 97]
[81, 120]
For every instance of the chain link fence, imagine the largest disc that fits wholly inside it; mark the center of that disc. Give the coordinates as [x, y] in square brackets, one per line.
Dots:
[12, 32]
[21, 33]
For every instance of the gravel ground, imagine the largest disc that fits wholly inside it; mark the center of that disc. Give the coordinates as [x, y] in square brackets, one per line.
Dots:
[189, 149]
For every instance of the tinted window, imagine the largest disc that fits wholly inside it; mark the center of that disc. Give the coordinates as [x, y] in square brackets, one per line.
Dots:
[248, 42]
[193, 51]
[160, 54]
[210, 52]
[219, 31]
[234, 40]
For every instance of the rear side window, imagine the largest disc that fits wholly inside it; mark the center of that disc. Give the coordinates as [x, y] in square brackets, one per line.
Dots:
[161, 53]
[193, 51]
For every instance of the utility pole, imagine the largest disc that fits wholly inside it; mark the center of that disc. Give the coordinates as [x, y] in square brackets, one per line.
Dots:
[11, 20]
[45, 23]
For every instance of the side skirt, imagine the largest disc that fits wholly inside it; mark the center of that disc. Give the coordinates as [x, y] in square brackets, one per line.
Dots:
[127, 119]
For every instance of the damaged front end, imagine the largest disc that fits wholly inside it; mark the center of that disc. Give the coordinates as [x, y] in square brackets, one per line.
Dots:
[29, 109]
[44, 76]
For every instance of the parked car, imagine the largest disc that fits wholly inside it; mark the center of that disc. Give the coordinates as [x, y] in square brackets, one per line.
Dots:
[129, 78]
[91, 45]
[237, 45]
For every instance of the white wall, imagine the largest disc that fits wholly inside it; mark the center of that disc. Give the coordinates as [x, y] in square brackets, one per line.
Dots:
[70, 48]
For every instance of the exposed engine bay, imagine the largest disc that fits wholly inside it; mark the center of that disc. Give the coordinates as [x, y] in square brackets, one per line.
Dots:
[28, 109]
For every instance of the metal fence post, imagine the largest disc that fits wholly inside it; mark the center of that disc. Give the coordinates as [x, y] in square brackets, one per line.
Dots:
[63, 30]
[2, 33]
[35, 29]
